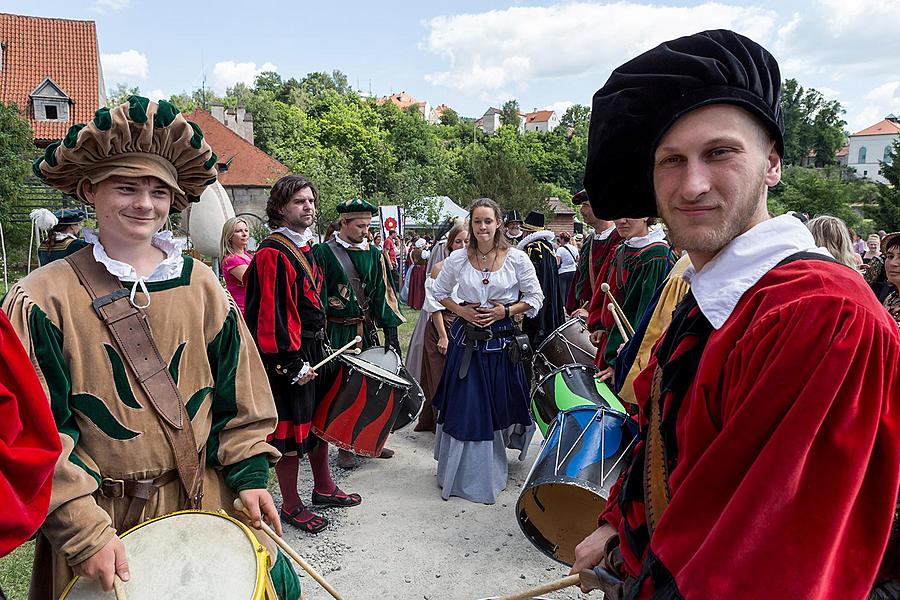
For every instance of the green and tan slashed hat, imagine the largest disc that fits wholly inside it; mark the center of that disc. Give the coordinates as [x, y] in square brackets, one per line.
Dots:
[138, 138]
[356, 208]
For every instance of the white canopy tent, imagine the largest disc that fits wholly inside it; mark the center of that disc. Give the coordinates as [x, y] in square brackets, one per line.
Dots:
[447, 209]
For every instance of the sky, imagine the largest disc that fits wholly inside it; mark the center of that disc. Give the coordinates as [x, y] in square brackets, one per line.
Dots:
[473, 55]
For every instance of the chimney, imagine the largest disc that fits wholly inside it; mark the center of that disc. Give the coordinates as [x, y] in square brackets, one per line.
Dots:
[218, 112]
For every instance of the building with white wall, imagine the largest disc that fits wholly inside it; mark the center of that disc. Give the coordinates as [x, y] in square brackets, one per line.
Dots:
[872, 146]
[541, 120]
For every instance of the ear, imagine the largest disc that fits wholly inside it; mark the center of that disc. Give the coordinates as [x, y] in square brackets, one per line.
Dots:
[87, 191]
[773, 166]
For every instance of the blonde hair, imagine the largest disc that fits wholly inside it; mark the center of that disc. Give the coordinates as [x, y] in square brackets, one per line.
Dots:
[454, 233]
[832, 233]
[225, 247]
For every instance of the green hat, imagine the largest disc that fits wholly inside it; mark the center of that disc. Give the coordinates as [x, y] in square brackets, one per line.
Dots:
[356, 209]
[138, 138]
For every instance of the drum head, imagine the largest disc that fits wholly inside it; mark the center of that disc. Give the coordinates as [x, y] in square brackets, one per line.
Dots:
[190, 554]
[375, 371]
[567, 344]
[570, 480]
[386, 359]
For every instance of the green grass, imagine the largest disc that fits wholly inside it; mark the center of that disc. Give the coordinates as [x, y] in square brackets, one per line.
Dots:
[15, 572]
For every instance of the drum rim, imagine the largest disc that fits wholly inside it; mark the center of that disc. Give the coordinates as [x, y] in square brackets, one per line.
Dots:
[561, 327]
[375, 349]
[261, 553]
[382, 375]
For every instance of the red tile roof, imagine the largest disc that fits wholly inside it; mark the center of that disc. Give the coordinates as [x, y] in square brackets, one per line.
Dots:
[844, 151]
[64, 50]
[249, 165]
[886, 127]
[540, 116]
[401, 100]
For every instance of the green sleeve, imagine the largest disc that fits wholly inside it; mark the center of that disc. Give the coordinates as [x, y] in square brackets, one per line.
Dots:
[639, 291]
[385, 307]
[249, 474]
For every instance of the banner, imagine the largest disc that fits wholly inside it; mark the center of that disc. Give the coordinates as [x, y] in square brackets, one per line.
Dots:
[391, 218]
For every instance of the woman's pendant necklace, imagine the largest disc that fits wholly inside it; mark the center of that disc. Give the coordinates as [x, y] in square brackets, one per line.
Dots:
[487, 272]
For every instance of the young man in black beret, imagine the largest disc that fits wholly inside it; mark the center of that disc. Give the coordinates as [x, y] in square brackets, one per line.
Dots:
[769, 455]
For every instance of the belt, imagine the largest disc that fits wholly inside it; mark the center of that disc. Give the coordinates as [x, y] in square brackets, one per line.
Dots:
[346, 320]
[318, 334]
[139, 490]
[473, 333]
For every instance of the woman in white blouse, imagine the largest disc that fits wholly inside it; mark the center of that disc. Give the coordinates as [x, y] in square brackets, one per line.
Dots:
[482, 397]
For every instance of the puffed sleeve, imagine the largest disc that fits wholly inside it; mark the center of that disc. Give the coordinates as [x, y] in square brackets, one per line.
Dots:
[448, 278]
[529, 286]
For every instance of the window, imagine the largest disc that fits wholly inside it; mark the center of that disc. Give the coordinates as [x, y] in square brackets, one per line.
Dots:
[887, 155]
[865, 173]
[50, 112]
[862, 155]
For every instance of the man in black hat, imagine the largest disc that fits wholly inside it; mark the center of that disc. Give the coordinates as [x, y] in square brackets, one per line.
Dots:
[769, 454]
[513, 222]
[538, 245]
[63, 235]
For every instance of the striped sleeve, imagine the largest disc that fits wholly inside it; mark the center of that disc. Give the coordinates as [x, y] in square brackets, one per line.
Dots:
[271, 305]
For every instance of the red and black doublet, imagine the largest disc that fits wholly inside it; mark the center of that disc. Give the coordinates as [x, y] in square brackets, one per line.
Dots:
[781, 440]
[285, 315]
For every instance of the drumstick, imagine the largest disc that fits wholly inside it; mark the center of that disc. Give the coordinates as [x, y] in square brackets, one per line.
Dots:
[239, 506]
[604, 287]
[339, 351]
[545, 588]
[615, 315]
[588, 578]
[119, 588]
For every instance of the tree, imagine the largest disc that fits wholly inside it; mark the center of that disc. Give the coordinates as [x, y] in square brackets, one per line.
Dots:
[16, 153]
[507, 182]
[822, 192]
[887, 213]
[812, 124]
[449, 117]
[509, 114]
[578, 117]
[121, 93]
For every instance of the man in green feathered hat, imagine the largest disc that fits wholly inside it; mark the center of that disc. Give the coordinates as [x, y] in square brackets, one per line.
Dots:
[130, 442]
[348, 314]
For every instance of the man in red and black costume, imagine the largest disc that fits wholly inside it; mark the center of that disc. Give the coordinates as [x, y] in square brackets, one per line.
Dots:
[593, 260]
[768, 460]
[285, 315]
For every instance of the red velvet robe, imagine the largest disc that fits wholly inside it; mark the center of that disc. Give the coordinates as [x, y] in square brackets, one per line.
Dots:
[788, 447]
[29, 443]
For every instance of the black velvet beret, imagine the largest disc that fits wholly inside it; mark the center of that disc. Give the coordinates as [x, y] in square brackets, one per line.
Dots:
[645, 96]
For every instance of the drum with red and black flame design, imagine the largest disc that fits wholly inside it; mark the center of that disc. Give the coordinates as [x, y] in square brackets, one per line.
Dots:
[360, 406]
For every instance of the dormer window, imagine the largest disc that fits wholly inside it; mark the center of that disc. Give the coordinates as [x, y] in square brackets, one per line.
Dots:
[49, 102]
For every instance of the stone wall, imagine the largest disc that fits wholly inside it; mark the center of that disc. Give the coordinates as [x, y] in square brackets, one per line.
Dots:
[249, 200]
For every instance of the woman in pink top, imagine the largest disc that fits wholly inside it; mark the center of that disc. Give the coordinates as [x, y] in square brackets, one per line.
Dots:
[235, 258]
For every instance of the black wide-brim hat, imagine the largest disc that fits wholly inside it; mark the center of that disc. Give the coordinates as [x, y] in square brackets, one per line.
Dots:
[512, 216]
[645, 96]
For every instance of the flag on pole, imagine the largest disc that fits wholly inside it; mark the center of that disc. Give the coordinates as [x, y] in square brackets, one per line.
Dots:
[391, 218]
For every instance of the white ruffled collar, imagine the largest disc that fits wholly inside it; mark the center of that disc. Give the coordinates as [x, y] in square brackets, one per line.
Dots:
[544, 234]
[169, 268]
[300, 239]
[656, 235]
[364, 245]
[605, 233]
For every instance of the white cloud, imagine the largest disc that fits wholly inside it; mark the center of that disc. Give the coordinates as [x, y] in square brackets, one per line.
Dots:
[559, 107]
[875, 105]
[491, 52]
[228, 73]
[157, 95]
[885, 92]
[105, 6]
[125, 66]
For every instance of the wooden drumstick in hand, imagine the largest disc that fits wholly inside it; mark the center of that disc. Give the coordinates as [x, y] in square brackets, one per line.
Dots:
[604, 287]
[339, 351]
[239, 506]
[588, 578]
[618, 321]
[119, 588]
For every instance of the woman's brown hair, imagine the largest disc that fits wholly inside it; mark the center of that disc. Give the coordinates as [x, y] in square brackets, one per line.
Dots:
[500, 242]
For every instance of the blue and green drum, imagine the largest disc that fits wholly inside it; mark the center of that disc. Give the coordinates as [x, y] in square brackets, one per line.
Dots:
[567, 387]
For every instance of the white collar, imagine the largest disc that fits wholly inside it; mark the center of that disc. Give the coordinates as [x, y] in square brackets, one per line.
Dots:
[656, 234]
[544, 234]
[169, 268]
[721, 283]
[300, 239]
[59, 236]
[364, 245]
[605, 233]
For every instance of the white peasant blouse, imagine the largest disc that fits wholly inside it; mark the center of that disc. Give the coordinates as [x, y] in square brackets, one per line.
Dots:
[515, 277]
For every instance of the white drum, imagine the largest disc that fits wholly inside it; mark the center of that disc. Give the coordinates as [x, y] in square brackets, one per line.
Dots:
[207, 219]
[187, 554]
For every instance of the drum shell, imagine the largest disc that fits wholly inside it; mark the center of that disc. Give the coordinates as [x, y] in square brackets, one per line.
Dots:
[237, 554]
[570, 343]
[414, 399]
[585, 451]
[360, 407]
[567, 387]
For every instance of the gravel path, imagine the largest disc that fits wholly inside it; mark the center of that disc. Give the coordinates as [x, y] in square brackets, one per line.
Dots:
[405, 543]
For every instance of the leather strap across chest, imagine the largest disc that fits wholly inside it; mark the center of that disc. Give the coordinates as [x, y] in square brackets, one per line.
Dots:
[130, 330]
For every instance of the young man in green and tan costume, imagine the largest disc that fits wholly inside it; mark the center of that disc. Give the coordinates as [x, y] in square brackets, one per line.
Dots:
[135, 163]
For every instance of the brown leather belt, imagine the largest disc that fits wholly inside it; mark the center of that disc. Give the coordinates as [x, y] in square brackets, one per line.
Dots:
[139, 490]
[346, 320]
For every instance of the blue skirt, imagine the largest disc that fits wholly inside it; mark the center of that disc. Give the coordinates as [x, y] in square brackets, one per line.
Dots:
[493, 395]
